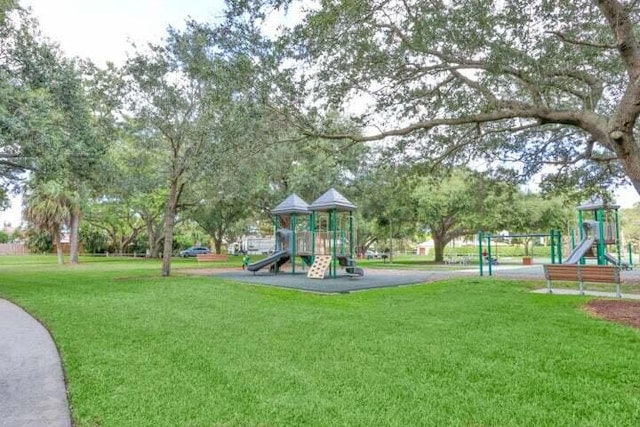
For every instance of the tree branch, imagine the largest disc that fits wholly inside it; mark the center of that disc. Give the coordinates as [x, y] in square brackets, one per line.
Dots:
[587, 121]
[580, 42]
[623, 29]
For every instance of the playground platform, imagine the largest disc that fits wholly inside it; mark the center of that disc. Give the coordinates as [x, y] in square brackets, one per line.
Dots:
[372, 279]
[384, 278]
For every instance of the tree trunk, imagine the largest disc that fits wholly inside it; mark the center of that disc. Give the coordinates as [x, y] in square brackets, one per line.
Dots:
[151, 240]
[169, 221]
[58, 247]
[630, 160]
[218, 245]
[74, 237]
[156, 248]
[438, 247]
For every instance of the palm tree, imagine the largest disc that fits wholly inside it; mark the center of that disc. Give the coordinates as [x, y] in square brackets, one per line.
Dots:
[48, 208]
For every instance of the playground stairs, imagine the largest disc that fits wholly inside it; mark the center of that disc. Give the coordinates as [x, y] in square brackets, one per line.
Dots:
[319, 267]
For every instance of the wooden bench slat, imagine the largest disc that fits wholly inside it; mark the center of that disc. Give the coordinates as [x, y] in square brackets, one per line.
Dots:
[212, 257]
[584, 273]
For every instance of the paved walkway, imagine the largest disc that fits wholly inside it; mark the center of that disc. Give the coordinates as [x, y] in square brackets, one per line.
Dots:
[32, 389]
[560, 291]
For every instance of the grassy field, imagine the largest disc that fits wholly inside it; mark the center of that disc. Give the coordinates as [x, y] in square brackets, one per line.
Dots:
[141, 350]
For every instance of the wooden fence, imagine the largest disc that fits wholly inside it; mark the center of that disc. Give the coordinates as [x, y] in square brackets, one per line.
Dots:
[13, 249]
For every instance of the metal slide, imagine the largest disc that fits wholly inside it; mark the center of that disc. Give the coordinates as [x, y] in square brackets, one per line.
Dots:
[614, 260]
[579, 251]
[350, 266]
[273, 258]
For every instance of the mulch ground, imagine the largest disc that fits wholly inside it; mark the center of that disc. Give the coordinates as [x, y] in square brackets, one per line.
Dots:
[624, 312]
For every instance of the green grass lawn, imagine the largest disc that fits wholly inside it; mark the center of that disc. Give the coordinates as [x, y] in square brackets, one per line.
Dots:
[141, 350]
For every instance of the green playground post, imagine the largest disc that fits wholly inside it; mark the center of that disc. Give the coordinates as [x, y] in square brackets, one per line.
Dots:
[312, 233]
[489, 257]
[278, 246]
[292, 249]
[480, 260]
[581, 230]
[630, 252]
[559, 242]
[351, 243]
[618, 248]
[601, 243]
[334, 231]
[552, 233]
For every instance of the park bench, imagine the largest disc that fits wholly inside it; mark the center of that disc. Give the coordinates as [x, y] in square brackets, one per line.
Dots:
[212, 257]
[457, 259]
[582, 274]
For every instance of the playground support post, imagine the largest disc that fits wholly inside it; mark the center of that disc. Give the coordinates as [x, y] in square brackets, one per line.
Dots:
[559, 243]
[630, 252]
[292, 249]
[601, 243]
[278, 245]
[481, 237]
[333, 221]
[480, 260]
[489, 256]
[618, 248]
[581, 229]
[556, 246]
[351, 242]
[312, 232]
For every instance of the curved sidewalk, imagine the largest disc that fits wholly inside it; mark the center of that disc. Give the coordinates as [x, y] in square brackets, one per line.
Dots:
[32, 389]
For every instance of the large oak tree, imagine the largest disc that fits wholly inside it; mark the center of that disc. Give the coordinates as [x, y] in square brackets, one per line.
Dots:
[536, 83]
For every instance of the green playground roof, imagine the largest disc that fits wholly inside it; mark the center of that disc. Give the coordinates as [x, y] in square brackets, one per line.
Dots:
[292, 204]
[332, 199]
[597, 203]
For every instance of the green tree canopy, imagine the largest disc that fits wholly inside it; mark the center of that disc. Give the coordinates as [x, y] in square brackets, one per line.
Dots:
[548, 87]
[630, 225]
[48, 208]
[461, 204]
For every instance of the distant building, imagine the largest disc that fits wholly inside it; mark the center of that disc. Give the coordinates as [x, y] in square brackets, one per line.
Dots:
[424, 247]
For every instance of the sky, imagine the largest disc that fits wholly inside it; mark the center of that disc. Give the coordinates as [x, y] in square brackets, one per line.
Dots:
[103, 30]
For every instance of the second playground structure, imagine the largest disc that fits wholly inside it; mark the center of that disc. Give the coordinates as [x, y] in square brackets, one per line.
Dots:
[599, 228]
[321, 234]
[596, 233]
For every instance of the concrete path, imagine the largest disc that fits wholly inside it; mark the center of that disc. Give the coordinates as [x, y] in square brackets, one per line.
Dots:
[32, 389]
[560, 291]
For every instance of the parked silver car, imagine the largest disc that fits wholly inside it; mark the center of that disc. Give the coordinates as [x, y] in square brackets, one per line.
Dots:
[194, 250]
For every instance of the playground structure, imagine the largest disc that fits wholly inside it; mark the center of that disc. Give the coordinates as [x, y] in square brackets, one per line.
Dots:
[599, 229]
[293, 236]
[321, 234]
[596, 235]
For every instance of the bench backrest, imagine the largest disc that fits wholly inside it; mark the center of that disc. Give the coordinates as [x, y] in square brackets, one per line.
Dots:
[582, 273]
[212, 257]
